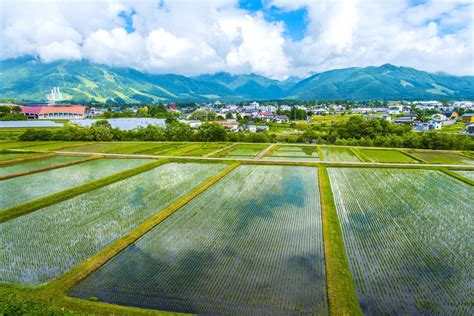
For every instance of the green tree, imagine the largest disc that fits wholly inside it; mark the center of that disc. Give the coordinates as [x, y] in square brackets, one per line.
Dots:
[103, 123]
[203, 115]
[211, 132]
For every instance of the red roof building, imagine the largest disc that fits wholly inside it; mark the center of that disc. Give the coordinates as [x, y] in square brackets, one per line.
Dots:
[54, 112]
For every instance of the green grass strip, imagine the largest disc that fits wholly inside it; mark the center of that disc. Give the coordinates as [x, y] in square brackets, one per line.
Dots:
[56, 166]
[320, 153]
[55, 292]
[457, 176]
[17, 300]
[35, 205]
[342, 296]
[20, 160]
[359, 155]
[413, 156]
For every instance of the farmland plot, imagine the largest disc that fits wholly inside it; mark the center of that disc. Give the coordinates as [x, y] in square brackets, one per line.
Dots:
[252, 243]
[42, 245]
[442, 157]
[338, 154]
[37, 164]
[296, 153]
[408, 238]
[243, 151]
[380, 155]
[105, 148]
[27, 188]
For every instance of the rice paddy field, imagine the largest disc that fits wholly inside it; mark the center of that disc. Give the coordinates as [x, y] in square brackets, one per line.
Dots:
[294, 153]
[37, 164]
[250, 244]
[380, 155]
[151, 148]
[27, 188]
[69, 232]
[338, 154]
[5, 156]
[242, 151]
[467, 174]
[234, 236]
[408, 239]
[442, 157]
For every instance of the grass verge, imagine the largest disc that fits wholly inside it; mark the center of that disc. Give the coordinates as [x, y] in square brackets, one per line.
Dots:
[457, 176]
[413, 156]
[32, 206]
[342, 297]
[359, 155]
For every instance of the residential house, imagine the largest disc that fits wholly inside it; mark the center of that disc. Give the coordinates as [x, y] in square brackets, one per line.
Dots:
[470, 129]
[233, 125]
[468, 118]
[281, 119]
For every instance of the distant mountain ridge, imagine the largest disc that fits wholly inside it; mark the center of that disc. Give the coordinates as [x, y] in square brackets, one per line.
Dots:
[29, 79]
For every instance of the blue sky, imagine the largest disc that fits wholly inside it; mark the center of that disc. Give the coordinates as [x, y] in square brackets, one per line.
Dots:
[274, 38]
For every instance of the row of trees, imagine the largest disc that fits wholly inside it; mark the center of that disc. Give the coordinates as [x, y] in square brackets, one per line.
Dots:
[174, 131]
[356, 132]
[380, 133]
[11, 113]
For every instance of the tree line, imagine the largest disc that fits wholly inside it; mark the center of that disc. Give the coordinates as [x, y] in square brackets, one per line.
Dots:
[356, 131]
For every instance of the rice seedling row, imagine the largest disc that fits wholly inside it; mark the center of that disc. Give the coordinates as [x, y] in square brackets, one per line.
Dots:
[338, 154]
[27, 188]
[407, 235]
[252, 243]
[37, 164]
[42, 245]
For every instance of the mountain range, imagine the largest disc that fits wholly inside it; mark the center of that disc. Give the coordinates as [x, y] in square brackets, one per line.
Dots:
[29, 79]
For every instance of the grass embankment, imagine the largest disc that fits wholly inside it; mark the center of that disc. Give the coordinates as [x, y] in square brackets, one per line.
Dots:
[227, 148]
[342, 297]
[32, 206]
[413, 156]
[54, 294]
[456, 175]
[27, 158]
[55, 166]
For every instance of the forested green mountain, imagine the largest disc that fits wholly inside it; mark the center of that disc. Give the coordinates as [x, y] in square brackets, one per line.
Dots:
[29, 79]
[386, 82]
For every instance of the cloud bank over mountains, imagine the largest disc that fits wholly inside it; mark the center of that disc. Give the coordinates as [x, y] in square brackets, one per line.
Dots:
[192, 37]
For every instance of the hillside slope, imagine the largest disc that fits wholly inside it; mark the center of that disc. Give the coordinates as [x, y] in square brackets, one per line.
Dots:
[29, 79]
[385, 82]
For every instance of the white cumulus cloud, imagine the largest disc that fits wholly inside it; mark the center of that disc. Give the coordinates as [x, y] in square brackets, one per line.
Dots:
[204, 36]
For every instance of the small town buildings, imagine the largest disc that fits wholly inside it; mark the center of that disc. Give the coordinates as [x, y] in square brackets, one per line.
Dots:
[54, 112]
[468, 118]
[233, 125]
[428, 126]
[439, 117]
[281, 119]
[452, 115]
[195, 124]
[262, 128]
[470, 129]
